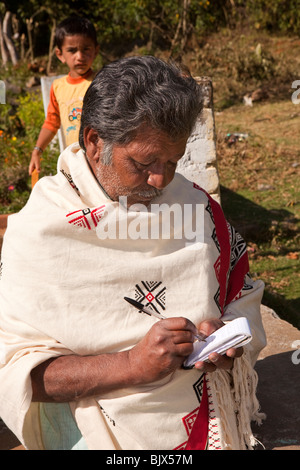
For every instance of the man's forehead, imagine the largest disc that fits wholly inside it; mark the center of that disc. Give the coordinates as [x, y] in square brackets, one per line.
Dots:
[151, 141]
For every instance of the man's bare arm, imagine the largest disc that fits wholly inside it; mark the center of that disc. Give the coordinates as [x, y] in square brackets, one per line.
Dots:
[160, 352]
[69, 378]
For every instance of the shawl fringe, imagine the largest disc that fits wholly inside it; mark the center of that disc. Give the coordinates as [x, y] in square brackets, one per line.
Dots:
[237, 404]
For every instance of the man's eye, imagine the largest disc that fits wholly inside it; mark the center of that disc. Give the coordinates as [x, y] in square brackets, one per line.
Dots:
[141, 165]
[147, 165]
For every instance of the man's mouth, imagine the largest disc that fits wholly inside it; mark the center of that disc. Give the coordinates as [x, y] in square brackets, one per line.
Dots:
[144, 196]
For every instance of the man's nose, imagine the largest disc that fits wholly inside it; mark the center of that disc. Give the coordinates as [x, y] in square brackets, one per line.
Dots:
[158, 176]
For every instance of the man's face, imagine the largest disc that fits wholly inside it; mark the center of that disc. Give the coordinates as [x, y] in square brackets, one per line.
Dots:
[78, 52]
[141, 169]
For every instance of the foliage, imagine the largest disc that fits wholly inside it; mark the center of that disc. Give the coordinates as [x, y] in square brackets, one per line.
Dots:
[157, 23]
[18, 134]
[258, 64]
[281, 16]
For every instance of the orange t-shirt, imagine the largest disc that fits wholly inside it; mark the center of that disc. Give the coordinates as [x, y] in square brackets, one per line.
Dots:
[65, 105]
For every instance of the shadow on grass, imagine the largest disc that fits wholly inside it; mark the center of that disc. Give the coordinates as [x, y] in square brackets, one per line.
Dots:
[259, 225]
[255, 223]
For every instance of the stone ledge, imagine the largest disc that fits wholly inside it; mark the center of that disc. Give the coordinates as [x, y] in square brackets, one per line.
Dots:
[279, 385]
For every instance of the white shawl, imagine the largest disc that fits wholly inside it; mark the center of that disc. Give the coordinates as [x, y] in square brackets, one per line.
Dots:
[62, 290]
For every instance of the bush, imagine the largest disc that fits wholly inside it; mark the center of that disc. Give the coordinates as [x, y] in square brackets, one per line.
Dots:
[273, 16]
[258, 65]
[20, 125]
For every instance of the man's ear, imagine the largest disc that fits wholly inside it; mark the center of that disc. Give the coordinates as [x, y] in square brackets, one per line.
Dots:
[59, 55]
[93, 145]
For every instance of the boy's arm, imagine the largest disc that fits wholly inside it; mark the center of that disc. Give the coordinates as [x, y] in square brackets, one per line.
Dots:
[49, 130]
[43, 140]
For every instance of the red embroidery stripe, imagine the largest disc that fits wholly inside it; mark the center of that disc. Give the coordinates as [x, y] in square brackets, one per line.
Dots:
[198, 437]
[224, 241]
[236, 280]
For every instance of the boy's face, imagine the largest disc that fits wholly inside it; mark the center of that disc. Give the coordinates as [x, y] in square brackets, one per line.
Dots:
[78, 52]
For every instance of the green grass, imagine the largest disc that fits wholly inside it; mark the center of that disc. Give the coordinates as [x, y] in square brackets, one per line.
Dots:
[260, 196]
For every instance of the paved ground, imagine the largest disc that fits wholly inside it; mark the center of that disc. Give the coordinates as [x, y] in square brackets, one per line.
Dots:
[278, 390]
[279, 385]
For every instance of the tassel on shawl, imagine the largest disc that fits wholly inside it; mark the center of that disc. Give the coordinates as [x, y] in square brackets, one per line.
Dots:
[236, 404]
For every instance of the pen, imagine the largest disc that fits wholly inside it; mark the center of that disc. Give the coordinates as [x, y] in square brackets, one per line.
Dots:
[154, 313]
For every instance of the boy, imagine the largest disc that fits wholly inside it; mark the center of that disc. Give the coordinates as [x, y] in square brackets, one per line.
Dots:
[76, 46]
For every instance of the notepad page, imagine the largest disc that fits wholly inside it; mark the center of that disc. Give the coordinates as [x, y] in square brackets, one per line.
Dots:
[235, 333]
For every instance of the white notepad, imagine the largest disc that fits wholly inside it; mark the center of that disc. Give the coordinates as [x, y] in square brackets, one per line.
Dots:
[234, 334]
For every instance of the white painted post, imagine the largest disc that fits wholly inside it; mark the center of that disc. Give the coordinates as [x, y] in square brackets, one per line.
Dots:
[199, 163]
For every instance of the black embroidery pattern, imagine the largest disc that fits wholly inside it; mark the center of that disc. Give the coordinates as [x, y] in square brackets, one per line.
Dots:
[153, 293]
[238, 246]
[70, 180]
[198, 387]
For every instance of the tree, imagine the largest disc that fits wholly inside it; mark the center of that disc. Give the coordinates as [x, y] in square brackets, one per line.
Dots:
[8, 49]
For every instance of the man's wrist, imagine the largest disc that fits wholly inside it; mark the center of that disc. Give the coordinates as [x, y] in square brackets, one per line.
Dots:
[39, 149]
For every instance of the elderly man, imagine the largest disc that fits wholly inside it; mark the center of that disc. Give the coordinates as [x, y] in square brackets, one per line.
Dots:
[80, 367]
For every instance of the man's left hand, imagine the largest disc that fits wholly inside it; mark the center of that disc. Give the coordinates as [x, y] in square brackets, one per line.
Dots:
[216, 361]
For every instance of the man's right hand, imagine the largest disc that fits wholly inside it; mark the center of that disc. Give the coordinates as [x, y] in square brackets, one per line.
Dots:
[162, 350]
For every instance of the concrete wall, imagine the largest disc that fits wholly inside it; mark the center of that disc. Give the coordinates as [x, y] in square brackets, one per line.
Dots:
[199, 163]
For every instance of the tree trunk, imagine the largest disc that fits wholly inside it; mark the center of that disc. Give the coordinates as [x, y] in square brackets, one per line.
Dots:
[29, 32]
[51, 46]
[174, 40]
[185, 29]
[3, 49]
[7, 34]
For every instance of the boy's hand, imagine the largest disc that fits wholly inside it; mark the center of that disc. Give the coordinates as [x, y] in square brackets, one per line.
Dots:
[35, 162]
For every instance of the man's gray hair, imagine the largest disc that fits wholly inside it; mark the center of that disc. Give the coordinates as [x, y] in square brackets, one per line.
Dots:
[140, 90]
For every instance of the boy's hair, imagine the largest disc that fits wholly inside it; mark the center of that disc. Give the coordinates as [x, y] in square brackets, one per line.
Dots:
[74, 25]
